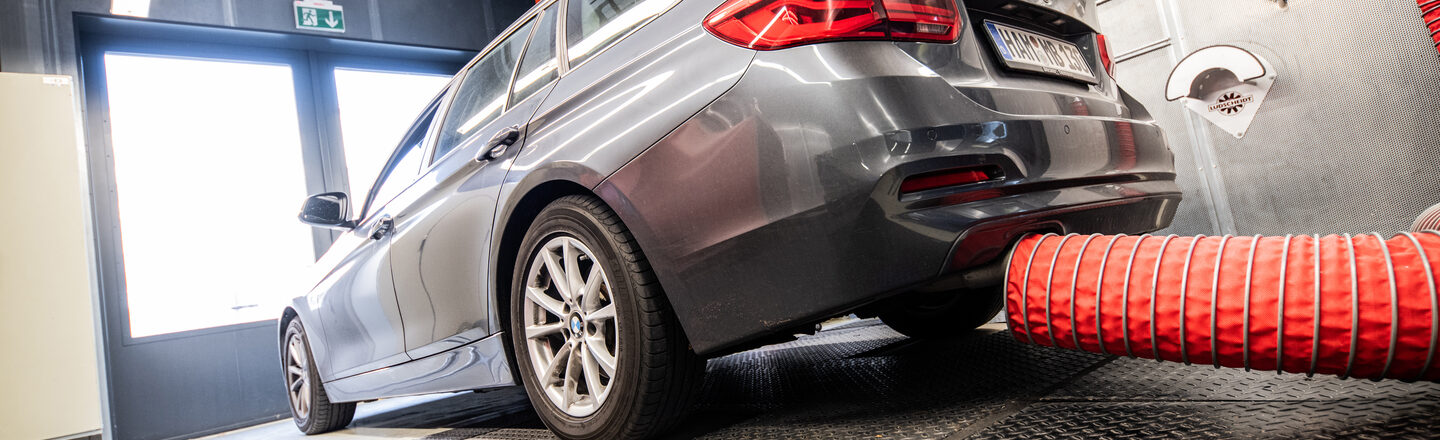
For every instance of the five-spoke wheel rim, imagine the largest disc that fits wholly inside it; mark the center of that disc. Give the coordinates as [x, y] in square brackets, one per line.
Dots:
[570, 328]
[297, 376]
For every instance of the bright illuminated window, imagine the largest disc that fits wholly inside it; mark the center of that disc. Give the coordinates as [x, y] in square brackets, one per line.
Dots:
[376, 109]
[208, 175]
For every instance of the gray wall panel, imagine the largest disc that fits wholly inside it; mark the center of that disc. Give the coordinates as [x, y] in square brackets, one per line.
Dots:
[21, 36]
[189, 11]
[445, 23]
[1346, 142]
[512, 9]
[38, 36]
[1138, 26]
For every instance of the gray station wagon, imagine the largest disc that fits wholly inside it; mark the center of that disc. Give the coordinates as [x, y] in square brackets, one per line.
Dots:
[615, 190]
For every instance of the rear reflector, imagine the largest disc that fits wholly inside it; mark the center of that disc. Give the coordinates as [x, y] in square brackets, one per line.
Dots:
[777, 24]
[952, 177]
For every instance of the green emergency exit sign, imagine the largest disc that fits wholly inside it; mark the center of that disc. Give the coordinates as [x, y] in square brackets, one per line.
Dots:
[319, 16]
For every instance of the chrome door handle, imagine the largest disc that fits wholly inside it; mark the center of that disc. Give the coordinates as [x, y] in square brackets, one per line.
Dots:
[383, 227]
[495, 152]
[499, 143]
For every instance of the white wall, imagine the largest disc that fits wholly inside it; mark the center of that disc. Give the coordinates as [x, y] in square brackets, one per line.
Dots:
[48, 370]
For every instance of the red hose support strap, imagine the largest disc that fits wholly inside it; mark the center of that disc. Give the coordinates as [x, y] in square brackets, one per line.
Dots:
[1359, 306]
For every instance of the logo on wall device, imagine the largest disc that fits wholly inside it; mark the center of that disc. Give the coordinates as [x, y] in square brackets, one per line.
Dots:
[1231, 103]
[1224, 84]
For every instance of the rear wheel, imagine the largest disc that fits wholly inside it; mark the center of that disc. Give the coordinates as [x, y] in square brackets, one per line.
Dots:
[598, 348]
[940, 315]
[309, 405]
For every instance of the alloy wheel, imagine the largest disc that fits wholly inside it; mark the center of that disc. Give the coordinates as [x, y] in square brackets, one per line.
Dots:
[570, 327]
[297, 376]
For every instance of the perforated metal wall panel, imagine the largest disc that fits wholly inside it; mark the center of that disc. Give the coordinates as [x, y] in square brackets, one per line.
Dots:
[1348, 139]
[1138, 77]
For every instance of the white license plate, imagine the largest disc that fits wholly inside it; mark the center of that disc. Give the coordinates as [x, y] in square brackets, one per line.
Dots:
[1025, 50]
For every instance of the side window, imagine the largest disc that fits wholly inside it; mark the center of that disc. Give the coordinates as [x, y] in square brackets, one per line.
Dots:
[481, 96]
[538, 67]
[591, 25]
[404, 165]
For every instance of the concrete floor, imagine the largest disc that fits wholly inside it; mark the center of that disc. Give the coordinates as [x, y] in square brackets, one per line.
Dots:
[863, 380]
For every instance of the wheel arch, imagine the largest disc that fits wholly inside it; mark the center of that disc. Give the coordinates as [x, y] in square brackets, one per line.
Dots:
[668, 386]
[314, 333]
[534, 191]
[517, 221]
[285, 317]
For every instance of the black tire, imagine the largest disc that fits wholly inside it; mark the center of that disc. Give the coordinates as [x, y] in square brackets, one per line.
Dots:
[656, 375]
[941, 315]
[323, 416]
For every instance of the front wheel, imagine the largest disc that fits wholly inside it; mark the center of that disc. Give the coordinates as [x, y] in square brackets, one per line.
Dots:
[599, 351]
[309, 405]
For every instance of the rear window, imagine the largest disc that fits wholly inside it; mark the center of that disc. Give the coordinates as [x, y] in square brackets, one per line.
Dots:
[592, 25]
[538, 68]
[482, 94]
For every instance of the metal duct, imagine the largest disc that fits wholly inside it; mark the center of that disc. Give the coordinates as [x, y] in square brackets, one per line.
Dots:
[1354, 306]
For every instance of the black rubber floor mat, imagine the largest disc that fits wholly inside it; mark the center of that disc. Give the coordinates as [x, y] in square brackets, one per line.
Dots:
[867, 381]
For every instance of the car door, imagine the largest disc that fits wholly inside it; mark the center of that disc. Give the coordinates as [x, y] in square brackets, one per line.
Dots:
[356, 301]
[442, 235]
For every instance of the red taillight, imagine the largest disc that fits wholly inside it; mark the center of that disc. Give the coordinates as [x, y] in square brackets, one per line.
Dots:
[1105, 60]
[953, 177]
[777, 24]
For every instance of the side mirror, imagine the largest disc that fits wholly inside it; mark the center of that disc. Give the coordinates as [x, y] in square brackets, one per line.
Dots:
[327, 210]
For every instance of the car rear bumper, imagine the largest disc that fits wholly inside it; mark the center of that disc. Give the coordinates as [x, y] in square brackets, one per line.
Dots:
[779, 204]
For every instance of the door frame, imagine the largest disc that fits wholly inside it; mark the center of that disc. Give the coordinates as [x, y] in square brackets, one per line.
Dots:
[231, 364]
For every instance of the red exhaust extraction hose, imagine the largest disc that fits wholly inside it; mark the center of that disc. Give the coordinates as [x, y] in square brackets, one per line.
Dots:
[1354, 306]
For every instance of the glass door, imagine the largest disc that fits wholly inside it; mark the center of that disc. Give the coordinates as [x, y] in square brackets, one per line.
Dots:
[195, 141]
[200, 155]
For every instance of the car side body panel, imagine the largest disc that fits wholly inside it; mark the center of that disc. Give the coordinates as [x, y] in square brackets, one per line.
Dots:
[611, 107]
[606, 111]
[439, 260]
[479, 364]
[352, 313]
[440, 257]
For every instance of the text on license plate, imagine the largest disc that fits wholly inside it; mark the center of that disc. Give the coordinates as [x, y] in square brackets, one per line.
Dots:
[1031, 51]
